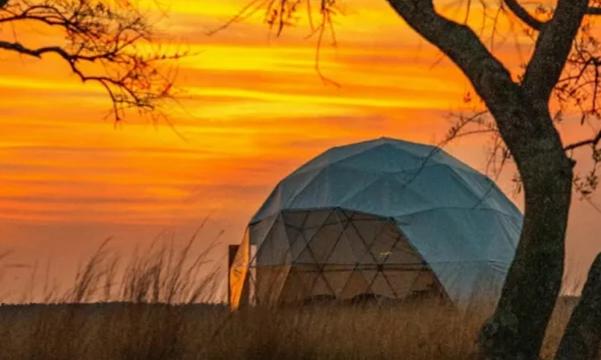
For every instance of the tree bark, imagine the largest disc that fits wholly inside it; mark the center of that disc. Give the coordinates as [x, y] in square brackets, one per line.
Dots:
[582, 337]
[517, 328]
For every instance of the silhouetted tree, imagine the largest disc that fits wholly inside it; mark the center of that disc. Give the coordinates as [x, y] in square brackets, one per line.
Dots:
[101, 41]
[565, 63]
[582, 338]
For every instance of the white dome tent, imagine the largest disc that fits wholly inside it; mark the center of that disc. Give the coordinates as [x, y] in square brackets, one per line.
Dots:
[384, 218]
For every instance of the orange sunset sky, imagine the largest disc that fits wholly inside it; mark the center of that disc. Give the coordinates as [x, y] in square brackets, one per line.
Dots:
[252, 109]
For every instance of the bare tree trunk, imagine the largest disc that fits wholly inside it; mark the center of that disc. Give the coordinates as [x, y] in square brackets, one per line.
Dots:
[582, 337]
[521, 111]
[516, 330]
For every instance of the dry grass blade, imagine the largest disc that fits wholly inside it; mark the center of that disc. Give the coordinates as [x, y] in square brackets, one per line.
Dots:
[160, 314]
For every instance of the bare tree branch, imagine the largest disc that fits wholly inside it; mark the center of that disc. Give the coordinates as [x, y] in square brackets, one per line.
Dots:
[460, 43]
[593, 11]
[101, 42]
[518, 10]
[589, 142]
[553, 48]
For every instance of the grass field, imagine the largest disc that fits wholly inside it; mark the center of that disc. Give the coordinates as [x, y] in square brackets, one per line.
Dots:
[155, 331]
[159, 315]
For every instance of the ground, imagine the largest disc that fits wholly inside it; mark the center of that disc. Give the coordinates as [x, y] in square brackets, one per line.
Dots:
[154, 331]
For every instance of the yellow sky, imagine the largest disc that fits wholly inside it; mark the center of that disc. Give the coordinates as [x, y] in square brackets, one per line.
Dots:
[252, 109]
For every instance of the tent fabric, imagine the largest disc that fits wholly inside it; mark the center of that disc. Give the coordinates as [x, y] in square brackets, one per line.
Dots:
[455, 218]
[238, 273]
[337, 254]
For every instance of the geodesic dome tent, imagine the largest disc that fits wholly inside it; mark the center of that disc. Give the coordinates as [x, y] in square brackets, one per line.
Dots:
[384, 218]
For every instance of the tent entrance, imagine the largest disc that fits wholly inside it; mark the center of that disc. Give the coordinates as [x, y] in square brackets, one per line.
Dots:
[337, 255]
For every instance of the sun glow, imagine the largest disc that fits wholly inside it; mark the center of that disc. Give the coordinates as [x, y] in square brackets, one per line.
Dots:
[251, 107]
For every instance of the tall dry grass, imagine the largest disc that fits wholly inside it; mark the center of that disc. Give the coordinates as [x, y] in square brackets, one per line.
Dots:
[157, 312]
